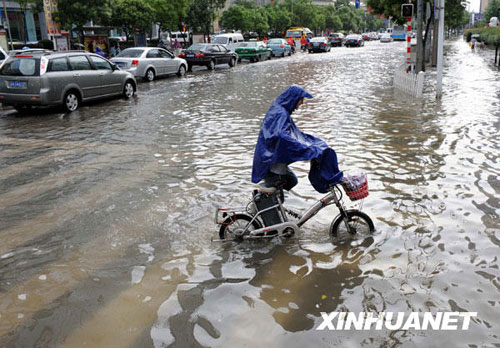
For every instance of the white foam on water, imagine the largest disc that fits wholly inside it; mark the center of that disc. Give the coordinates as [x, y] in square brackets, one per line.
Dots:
[137, 274]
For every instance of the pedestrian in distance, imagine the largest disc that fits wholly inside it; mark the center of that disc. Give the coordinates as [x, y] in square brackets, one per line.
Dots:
[100, 52]
[303, 43]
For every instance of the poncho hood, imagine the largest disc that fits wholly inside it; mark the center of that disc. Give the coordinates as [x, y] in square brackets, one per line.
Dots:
[280, 141]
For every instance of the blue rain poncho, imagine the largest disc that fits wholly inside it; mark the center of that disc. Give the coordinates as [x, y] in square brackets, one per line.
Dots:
[280, 141]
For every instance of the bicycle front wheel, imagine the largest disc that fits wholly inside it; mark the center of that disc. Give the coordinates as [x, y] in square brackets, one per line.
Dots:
[234, 226]
[358, 225]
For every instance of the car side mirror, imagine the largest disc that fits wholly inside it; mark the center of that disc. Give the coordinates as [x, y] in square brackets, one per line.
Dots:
[115, 67]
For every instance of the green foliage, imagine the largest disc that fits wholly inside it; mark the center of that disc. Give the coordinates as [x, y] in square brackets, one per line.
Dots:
[46, 44]
[278, 17]
[492, 10]
[132, 14]
[201, 14]
[169, 14]
[74, 14]
[490, 36]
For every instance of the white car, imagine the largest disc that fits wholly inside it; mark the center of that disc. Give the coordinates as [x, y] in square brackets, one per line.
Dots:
[150, 62]
[3, 55]
[386, 37]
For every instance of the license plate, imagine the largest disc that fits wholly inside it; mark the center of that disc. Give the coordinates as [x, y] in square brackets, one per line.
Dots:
[190, 55]
[17, 84]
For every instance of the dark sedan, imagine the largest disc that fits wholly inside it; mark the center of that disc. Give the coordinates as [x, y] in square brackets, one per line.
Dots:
[354, 40]
[319, 44]
[337, 39]
[208, 55]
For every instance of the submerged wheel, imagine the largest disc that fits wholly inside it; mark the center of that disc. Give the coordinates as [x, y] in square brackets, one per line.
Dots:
[240, 221]
[128, 90]
[211, 65]
[359, 225]
[150, 75]
[232, 62]
[71, 101]
[182, 71]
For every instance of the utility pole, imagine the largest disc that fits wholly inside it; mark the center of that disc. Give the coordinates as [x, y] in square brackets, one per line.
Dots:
[439, 76]
[420, 21]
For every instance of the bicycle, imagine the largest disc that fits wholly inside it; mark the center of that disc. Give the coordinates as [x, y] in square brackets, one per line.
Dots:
[266, 217]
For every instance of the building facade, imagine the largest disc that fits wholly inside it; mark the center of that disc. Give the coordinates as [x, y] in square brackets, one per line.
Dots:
[34, 23]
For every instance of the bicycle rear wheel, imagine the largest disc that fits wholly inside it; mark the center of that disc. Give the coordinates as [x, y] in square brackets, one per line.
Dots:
[359, 225]
[233, 226]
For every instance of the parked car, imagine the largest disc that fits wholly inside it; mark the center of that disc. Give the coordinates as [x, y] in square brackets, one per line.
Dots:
[366, 36]
[253, 51]
[337, 39]
[28, 51]
[279, 47]
[319, 44]
[354, 40]
[59, 78]
[208, 55]
[386, 37]
[231, 40]
[150, 62]
[3, 55]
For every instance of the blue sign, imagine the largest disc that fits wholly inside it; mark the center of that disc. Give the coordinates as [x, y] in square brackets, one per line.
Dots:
[357, 2]
[478, 17]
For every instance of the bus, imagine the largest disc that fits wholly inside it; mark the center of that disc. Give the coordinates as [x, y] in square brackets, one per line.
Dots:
[399, 33]
[297, 33]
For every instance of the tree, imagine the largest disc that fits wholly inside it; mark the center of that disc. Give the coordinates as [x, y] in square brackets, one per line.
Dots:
[130, 15]
[278, 18]
[169, 14]
[492, 10]
[236, 17]
[201, 14]
[74, 14]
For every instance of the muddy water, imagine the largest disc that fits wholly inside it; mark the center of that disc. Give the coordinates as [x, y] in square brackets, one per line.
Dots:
[106, 214]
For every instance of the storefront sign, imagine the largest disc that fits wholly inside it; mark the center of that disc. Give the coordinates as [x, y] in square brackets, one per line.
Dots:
[50, 7]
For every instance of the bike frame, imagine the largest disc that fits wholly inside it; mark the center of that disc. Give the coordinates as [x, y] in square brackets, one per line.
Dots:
[308, 214]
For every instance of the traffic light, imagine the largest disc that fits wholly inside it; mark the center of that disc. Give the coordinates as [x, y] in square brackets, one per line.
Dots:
[407, 10]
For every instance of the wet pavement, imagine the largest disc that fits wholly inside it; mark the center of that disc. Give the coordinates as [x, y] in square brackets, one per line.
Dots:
[106, 214]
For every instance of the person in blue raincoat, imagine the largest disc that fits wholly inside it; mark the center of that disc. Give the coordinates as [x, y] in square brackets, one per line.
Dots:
[100, 52]
[280, 143]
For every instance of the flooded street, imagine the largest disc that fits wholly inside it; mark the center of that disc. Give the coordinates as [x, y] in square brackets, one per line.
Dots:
[107, 214]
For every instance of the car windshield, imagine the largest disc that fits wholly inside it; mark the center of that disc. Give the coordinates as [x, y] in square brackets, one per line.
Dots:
[197, 47]
[220, 40]
[21, 67]
[274, 41]
[131, 53]
[294, 33]
[334, 35]
[352, 37]
[317, 39]
[248, 44]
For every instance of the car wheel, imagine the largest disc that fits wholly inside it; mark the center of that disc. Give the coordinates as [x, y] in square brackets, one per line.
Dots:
[211, 65]
[182, 71]
[239, 60]
[190, 67]
[232, 62]
[128, 90]
[71, 101]
[150, 75]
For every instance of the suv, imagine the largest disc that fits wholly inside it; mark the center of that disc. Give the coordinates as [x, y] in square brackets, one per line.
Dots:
[61, 78]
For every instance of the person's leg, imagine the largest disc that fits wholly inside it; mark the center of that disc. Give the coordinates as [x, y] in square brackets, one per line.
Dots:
[290, 180]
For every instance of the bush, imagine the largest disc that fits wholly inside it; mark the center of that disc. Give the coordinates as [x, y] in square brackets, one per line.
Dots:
[46, 44]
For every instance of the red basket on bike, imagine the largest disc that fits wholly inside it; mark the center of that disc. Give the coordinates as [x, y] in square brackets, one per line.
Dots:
[360, 193]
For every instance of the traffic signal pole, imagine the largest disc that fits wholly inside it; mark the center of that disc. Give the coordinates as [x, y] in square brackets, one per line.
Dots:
[439, 75]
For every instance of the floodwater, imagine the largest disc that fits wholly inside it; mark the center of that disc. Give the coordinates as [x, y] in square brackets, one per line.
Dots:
[107, 214]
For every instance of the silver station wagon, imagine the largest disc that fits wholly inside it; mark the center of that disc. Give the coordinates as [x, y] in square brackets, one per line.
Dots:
[150, 62]
[61, 78]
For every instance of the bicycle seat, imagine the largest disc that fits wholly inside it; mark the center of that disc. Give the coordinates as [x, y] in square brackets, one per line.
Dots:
[267, 190]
